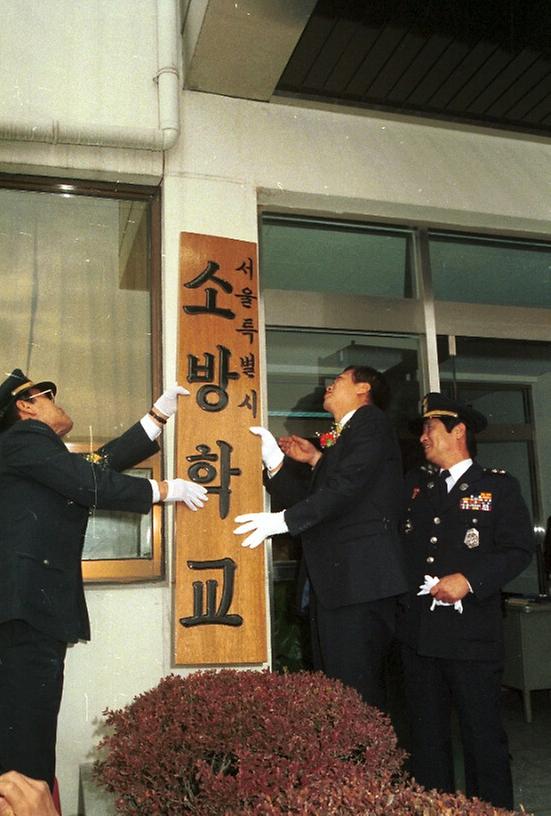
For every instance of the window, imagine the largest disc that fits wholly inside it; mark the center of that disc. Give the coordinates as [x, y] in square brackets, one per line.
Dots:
[322, 256]
[302, 363]
[80, 305]
[485, 270]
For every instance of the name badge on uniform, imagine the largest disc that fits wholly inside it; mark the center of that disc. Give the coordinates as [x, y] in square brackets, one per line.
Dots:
[472, 538]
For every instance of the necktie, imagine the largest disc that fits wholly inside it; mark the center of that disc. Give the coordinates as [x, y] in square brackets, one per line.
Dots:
[442, 486]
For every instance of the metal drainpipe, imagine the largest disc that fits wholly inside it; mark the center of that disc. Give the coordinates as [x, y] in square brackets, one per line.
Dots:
[168, 94]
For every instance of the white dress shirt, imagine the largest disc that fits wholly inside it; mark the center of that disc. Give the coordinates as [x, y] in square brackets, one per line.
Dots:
[456, 472]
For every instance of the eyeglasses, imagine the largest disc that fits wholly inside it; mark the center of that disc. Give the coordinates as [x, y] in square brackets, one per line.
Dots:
[47, 393]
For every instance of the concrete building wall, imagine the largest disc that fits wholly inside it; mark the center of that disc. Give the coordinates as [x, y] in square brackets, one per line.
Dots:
[51, 66]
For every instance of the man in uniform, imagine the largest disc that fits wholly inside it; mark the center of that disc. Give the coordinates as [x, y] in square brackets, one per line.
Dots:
[46, 495]
[346, 512]
[466, 533]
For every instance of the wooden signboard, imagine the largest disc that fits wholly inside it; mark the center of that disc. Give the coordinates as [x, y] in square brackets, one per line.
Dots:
[219, 597]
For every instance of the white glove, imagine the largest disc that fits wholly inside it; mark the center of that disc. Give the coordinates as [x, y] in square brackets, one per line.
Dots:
[167, 403]
[272, 455]
[425, 588]
[260, 526]
[192, 494]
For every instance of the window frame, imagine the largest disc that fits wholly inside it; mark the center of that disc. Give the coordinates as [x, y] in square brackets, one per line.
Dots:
[125, 570]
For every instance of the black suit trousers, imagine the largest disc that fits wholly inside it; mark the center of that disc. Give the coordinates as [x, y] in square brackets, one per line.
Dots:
[433, 685]
[350, 643]
[31, 683]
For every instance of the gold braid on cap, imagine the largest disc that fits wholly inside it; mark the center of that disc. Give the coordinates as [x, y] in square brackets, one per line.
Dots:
[437, 413]
[24, 387]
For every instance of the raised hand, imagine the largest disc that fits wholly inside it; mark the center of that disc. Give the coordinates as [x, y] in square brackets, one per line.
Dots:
[302, 450]
[272, 455]
[167, 403]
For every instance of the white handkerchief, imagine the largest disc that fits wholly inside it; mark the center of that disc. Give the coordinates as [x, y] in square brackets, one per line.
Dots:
[425, 589]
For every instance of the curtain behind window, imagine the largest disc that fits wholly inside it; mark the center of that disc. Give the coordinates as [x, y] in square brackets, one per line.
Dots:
[75, 304]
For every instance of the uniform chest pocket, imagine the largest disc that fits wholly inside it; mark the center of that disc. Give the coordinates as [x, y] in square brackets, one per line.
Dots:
[476, 519]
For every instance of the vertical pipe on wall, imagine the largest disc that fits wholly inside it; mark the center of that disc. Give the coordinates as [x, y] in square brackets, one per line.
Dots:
[168, 80]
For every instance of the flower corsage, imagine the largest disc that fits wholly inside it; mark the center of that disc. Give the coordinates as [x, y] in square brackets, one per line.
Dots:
[329, 438]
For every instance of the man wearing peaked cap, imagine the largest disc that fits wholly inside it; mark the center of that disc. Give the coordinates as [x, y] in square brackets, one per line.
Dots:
[450, 412]
[46, 495]
[466, 533]
[18, 383]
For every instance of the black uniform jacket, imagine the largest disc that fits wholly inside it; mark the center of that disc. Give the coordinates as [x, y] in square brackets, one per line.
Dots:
[347, 513]
[46, 495]
[481, 529]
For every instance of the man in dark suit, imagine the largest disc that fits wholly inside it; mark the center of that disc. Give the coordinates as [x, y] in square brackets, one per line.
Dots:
[346, 512]
[46, 495]
[466, 533]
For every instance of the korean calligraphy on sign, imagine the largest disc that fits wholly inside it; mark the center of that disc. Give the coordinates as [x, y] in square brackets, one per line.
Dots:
[219, 596]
